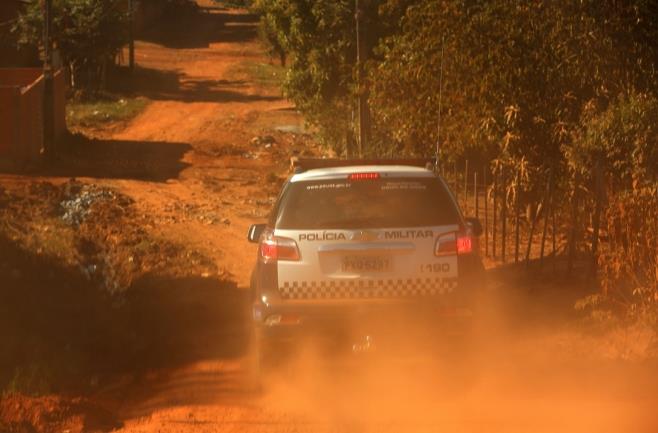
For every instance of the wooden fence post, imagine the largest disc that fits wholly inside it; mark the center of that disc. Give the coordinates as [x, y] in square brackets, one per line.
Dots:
[503, 216]
[486, 213]
[554, 236]
[574, 226]
[454, 173]
[475, 194]
[493, 229]
[543, 204]
[548, 212]
[466, 188]
[517, 211]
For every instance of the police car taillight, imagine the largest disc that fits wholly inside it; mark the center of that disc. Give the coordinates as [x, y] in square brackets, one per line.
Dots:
[273, 248]
[363, 176]
[464, 244]
[453, 243]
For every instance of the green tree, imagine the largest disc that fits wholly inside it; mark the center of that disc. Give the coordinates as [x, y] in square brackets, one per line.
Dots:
[87, 33]
[517, 75]
[623, 139]
[318, 38]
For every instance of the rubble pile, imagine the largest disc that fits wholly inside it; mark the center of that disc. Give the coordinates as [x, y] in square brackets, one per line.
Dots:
[78, 200]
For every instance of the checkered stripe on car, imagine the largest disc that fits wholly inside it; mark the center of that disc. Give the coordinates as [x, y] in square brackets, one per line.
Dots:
[341, 289]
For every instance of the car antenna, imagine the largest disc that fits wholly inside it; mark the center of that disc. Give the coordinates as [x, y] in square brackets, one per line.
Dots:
[437, 162]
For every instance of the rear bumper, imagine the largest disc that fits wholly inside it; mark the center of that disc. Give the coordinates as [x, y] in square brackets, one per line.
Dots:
[341, 325]
[394, 319]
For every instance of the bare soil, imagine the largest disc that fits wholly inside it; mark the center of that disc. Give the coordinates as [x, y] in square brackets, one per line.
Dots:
[172, 195]
[54, 414]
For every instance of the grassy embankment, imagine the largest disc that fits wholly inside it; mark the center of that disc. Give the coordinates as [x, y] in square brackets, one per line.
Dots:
[99, 112]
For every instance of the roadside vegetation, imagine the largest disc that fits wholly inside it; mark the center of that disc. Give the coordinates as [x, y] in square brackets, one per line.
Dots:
[79, 318]
[75, 322]
[545, 90]
[264, 74]
[95, 113]
[234, 3]
[530, 92]
[88, 37]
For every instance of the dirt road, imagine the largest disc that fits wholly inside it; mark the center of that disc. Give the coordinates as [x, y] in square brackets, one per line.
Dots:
[208, 108]
[518, 381]
[203, 162]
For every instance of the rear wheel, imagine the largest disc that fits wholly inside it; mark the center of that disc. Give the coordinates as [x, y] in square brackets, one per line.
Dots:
[264, 359]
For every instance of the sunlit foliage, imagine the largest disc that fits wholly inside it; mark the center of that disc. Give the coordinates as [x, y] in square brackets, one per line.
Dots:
[517, 75]
[318, 41]
[87, 34]
[535, 87]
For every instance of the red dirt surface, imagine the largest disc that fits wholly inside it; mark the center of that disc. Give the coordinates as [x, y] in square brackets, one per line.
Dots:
[196, 178]
[53, 414]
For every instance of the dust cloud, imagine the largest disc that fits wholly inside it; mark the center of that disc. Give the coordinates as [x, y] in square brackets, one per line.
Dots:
[502, 377]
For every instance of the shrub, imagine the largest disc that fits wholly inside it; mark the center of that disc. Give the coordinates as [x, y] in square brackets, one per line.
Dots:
[623, 138]
[629, 261]
[87, 33]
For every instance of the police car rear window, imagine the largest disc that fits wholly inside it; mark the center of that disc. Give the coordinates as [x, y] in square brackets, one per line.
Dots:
[379, 203]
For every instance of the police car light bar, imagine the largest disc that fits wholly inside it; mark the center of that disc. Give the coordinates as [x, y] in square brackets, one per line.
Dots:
[300, 165]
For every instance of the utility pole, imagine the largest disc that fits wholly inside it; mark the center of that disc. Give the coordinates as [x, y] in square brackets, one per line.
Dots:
[48, 95]
[437, 154]
[363, 102]
[131, 35]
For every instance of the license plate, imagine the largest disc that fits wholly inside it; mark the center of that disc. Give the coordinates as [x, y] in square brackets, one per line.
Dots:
[366, 264]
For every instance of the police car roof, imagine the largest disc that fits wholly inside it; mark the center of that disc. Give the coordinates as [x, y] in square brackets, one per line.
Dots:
[344, 172]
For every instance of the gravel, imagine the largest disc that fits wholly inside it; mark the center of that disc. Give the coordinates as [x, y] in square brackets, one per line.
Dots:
[79, 200]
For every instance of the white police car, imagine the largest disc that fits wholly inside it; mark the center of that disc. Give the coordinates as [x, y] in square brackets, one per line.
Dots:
[353, 243]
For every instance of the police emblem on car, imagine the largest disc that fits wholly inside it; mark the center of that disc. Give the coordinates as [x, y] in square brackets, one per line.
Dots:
[364, 236]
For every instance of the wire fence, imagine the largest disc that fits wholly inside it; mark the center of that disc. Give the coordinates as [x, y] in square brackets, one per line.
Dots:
[540, 229]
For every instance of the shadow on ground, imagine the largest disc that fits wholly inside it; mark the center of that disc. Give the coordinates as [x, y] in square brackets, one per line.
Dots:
[60, 330]
[180, 325]
[182, 320]
[162, 85]
[112, 159]
[538, 292]
[212, 24]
